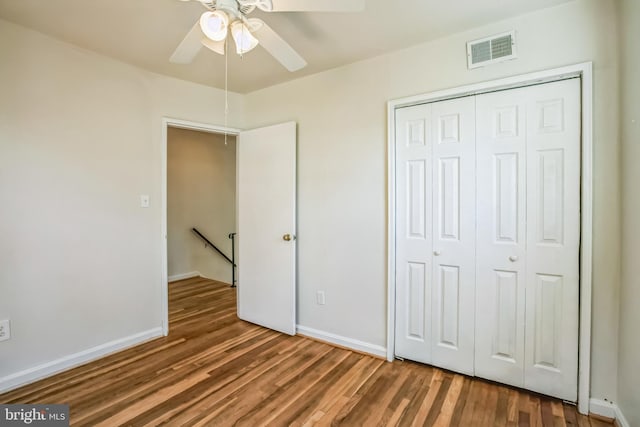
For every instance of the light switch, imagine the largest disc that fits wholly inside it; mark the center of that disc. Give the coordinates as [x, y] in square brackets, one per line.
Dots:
[144, 200]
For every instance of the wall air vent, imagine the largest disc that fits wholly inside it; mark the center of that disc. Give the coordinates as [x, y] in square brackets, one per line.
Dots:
[490, 50]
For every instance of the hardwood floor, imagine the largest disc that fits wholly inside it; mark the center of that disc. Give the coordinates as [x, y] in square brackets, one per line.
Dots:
[214, 369]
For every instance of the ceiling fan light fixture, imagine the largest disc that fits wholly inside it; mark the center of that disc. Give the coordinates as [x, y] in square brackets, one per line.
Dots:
[245, 41]
[217, 47]
[214, 25]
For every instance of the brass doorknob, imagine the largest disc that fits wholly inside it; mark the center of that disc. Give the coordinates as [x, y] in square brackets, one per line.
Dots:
[287, 237]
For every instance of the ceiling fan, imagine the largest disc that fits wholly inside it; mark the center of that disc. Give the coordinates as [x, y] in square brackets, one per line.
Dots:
[230, 16]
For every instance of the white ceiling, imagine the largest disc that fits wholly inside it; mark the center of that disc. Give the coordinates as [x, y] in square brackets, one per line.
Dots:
[146, 32]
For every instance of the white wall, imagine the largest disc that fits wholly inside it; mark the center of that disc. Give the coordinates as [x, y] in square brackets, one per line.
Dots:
[342, 164]
[201, 188]
[629, 350]
[80, 140]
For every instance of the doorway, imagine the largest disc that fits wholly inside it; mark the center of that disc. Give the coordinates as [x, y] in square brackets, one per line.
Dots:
[201, 203]
[168, 124]
[265, 222]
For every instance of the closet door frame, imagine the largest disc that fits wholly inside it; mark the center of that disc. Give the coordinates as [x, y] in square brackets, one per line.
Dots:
[585, 73]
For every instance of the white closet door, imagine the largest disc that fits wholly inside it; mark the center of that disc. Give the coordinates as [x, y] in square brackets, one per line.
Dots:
[488, 229]
[528, 237]
[501, 236]
[413, 233]
[453, 304]
[553, 238]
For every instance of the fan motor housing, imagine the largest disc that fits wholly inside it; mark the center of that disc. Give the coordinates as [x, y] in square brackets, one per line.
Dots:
[231, 7]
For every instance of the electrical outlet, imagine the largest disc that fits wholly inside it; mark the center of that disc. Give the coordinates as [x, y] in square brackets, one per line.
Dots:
[320, 298]
[5, 330]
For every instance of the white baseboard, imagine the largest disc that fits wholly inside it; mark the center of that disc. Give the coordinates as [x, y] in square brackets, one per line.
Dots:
[608, 409]
[44, 370]
[622, 421]
[213, 278]
[183, 276]
[604, 408]
[364, 347]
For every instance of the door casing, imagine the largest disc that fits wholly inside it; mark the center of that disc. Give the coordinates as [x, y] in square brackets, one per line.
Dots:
[585, 72]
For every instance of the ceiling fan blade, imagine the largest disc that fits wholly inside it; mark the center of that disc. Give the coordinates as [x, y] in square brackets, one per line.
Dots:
[188, 47]
[278, 48]
[318, 5]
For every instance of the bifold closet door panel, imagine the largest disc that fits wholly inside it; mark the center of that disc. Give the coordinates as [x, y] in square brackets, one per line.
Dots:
[501, 236]
[435, 233]
[553, 238]
[528, 237]
[453, 300]
[413, 233]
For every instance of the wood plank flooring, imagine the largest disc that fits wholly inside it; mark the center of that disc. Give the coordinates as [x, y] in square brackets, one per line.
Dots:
[216, 370]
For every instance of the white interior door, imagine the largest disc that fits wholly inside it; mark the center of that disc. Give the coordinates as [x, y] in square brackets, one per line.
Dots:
[266, 199]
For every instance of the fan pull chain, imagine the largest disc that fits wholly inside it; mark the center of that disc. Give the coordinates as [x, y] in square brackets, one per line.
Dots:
[242, 42]
[226, 88]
